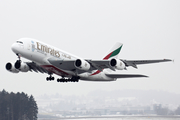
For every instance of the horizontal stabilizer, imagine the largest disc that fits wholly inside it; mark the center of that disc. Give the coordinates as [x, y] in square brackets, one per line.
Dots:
[124, 75]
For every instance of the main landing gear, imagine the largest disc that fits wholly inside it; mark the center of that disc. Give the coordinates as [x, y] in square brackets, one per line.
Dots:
[73, 79]
[50, 78]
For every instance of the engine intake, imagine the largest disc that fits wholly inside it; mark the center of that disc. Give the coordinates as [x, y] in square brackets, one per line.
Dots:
[11, 68]
[78, 63]
[82, 65]
[23, 67]
[117, 64]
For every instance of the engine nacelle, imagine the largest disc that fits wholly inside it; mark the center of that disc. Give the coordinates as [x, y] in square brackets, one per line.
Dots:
[11, 68]
[82, 65]
[117, 64]
[21, 66]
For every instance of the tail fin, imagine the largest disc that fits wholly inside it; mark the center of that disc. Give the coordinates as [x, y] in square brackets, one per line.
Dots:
[114, 52]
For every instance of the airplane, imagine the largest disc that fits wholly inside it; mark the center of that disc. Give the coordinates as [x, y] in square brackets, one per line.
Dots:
[51, 60]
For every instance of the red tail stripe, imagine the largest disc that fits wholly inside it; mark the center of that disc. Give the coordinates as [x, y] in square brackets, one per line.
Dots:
[108, 56]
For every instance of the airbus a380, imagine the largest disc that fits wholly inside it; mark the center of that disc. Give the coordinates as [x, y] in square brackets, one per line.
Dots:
[51, 60]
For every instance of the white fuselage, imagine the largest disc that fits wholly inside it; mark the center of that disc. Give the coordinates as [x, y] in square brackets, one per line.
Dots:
[40, 52]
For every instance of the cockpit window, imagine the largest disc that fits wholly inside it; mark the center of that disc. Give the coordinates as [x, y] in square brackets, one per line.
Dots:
[19, 42]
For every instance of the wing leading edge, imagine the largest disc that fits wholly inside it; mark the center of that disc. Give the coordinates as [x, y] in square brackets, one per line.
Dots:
[134, 63]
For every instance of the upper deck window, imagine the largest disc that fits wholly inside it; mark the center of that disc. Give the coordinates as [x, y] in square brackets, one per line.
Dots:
[19, 42]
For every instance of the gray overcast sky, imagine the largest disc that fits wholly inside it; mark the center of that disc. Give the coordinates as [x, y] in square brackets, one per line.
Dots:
[148, 30]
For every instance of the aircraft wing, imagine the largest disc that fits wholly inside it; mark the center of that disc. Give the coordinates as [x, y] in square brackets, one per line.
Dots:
[98, 64]
[36, 68]
[134, 63]
[69, 64]
[124, 75]
[102, 64]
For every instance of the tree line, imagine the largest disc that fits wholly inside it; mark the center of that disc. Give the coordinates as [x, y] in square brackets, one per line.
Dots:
[17, 106]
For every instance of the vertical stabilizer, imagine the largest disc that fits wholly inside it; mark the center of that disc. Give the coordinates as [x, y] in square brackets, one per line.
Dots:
[114, 52]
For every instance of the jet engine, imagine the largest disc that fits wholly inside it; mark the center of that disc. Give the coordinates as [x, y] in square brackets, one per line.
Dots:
[117, 64]
[82, 65]
[21, 66]
[11, 68]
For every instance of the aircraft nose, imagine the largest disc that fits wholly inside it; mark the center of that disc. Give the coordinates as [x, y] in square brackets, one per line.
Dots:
[14, 48]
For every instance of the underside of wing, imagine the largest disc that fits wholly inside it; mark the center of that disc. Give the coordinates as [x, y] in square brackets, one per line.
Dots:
[65, 65]
[125, 75]
[99, 64]
[70, 65]
[33, 66]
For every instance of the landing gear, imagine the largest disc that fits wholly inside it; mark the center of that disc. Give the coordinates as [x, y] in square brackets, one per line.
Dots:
[19, 57]
[73, 79]
[18, 62]
[62, 80]
[50, 78]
